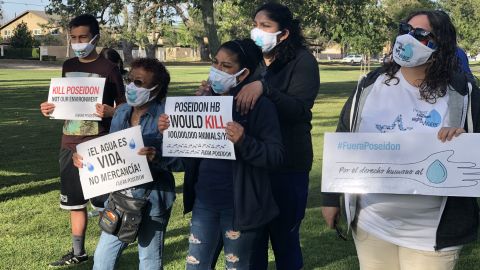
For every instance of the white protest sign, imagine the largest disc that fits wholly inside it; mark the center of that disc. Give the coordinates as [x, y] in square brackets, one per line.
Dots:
[112, 163]
[401, 163]
[75, 98]
[197, 127]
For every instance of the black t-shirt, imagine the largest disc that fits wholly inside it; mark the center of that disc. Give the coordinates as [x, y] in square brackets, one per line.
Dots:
[78, 131]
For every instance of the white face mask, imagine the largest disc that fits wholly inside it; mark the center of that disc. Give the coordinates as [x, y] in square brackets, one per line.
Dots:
[409, 52]
[83, 50]
[267, 41]
[221, 82]
[137, 96]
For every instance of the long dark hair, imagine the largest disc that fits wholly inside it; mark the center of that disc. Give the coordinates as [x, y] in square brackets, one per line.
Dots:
[285, 50]
[442, 64]
[113, 56]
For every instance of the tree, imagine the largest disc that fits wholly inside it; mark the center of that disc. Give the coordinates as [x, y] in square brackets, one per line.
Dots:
[466, 18]
[195, 27]
[206, 6]
[22, 37]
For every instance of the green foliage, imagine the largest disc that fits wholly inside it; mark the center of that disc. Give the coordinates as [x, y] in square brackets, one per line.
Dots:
[22, 53]
[22, 37]
[465, 15]
[231, 22]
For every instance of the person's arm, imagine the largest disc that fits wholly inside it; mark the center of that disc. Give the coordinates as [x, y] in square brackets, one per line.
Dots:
[265, 149]
[296, 103]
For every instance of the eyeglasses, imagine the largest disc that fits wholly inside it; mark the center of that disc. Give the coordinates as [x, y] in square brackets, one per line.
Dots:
[340, 234]
[419, 33]
[137, 83]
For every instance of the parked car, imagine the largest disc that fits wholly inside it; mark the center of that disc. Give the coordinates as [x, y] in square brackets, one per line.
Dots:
[353, 59]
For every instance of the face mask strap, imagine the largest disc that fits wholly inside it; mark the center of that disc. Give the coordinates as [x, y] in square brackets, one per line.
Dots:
[94, 38]
[238, 74]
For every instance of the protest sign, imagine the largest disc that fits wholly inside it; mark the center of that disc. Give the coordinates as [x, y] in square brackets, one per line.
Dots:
[197, 127]
[75, 98]
[112, 163]
[401, 163]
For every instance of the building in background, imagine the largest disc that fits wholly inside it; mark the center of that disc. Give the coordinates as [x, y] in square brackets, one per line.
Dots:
[39, 23]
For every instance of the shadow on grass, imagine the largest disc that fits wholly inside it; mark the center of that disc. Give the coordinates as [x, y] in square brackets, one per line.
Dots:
[30, 191]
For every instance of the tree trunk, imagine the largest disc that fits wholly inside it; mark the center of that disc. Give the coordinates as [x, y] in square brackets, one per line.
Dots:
[203, 49]
[150, 50]
[127, 48]
[206, 7]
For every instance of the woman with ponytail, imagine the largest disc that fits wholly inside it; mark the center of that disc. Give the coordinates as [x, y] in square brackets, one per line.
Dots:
[290, 79]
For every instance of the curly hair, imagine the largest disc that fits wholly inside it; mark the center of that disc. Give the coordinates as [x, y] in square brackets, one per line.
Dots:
[287, 49]
[160, 73]
[443, 63]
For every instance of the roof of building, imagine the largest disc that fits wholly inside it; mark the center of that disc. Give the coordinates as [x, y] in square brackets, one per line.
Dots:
[39, 13]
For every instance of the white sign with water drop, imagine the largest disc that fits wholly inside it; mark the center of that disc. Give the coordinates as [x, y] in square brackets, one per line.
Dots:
[112, 163]
[401, 163]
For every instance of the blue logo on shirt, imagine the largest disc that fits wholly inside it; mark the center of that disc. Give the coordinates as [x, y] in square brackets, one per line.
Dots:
[431, 119]
[397, 122]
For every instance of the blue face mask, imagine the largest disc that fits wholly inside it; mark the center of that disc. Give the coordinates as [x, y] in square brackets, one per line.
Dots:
[265, 40]
[138, 96]
[221, 82]
[83, 50]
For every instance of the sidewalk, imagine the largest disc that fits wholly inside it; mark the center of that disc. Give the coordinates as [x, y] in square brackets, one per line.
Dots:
[29, 64]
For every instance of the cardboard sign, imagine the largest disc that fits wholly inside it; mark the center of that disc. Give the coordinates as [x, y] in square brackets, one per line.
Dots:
[401, 163]
[75, 98]
[112, 163]
[197, 127]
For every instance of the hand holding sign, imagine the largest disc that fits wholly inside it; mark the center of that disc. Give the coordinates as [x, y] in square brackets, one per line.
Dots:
[447, 133]
[235, 132]
[163, 123]
[47, 108]
[104, 110]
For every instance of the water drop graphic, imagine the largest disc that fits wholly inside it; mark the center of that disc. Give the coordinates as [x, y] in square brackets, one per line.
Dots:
[436, 172]
[90, 167]
[132, 144]
[434, 119]
[407, 52]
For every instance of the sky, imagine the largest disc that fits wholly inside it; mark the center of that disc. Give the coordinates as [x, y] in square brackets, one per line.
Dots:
[12, 7]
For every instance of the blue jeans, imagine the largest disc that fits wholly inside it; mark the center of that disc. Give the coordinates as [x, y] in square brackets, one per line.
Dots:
[208, 226]
[150, 246]
[290, 191]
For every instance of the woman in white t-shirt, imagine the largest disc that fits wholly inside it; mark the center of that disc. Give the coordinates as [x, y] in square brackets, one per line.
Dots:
[421, 90]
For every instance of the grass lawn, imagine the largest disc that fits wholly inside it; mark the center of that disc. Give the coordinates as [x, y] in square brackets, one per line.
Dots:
[35, 231]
